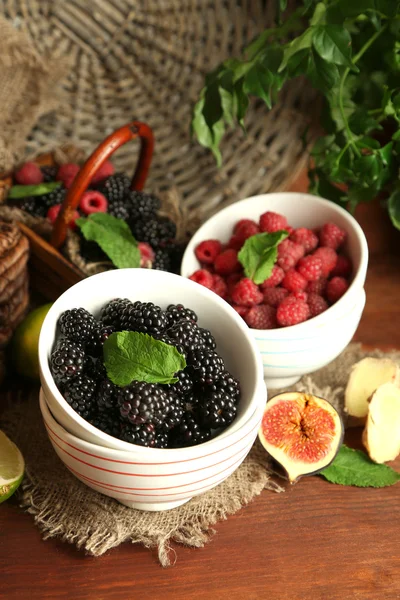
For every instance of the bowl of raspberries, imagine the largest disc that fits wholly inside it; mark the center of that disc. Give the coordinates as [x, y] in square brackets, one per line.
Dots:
[293, 266]
[144, 395]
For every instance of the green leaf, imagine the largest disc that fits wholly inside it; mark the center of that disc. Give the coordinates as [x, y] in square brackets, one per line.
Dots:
[302, 42]
[360, 122]
[282, 5]
[133, 356]
[324, 188]
[259, 253]
[394, 207]
[386, 154]
[333, 44]
[353, 467]
[23, 191]
[319, 14]
[322, 74]
[368, 168]
[259, 42]
[113, 236]
[257, 82]
[208, 135]
[241, 101]
[396, 136]
[340, 10]
[271, 58]
[322, 144]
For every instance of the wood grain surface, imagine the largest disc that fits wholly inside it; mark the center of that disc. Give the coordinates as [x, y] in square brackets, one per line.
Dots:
[315, 541]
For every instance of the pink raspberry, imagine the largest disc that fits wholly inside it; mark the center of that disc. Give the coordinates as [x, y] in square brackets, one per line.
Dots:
[104, 171]
[246, 293]
[244, 222]
[246, 230]
[52, 215]
[227, 262]
[219, 286]
[274, 279]
[146, 255]
[310, 267]
[232, 280]
[289, 253]
[274, 296]
[207, 251]
[329, 259]
[335, 289]
[67, 173]
[241, 310]
[271, 221]
[29, 174]
[235, 243]
[203, 277]
[331, 236]
[292, 312]
[93, 202]
[306, 238]
[261, 317]
[343, 266]
[303, 296]
[294, 281]
[317, 304]
[316, 287]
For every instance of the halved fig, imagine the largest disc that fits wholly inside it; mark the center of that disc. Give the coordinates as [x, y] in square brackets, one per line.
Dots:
[365, 377]
[381, 435]
[303, 433]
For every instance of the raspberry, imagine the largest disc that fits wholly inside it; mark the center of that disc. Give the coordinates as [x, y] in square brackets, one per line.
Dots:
[105, 170]
[227, 262]
[235, 243]
[316, 287]
[303, 296]
[271, 221]
[52, 215]
[310, 267]
[292, 312]
[29, 174]
[93, 202]
[317, 304]
[274, 296]
[241, 310]
[274, 279]
[203, 277]
[331, 236]
[246, 293]
[207, 251]
[244, 223]
[261, 317]
[294, 281]
[219, 286]
[335, 289]
[67, 173]
[305, 237]
[343, 266]
[246, 229]
[232, 280]
[146, 255]
[329, 259]
[289, 253]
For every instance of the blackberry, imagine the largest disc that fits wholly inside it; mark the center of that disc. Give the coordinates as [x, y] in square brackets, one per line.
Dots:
[107, 422]
[33, 207]
[94, 368]
[142, 435]
[106, 397]
[80, 394]
[114, 187]
[174, 415]
[67, 360]
[55, 197]
[208, 338]
[77, 325]
[185, 334]
[161, 439]
[175, 253]
[162, 337]
[177, 312]
[144, 317]
[184, 384]
[99, 335]
[218, 410]
[154, 231]
[49, 173]
[226, 384]
[119, 209]
[91, 251]
[205, 365]
[190, 431]
[112, 311]
[161, 261]
[142, 402]
[142, 205]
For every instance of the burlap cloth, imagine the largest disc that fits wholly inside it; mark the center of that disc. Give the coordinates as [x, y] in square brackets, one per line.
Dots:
[65, 508]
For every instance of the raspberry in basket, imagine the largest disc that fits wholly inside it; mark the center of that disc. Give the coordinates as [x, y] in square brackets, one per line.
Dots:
[53, 211]
[271, 221]
[67, 173]
[93, 202]
[246, 293]
[331, 236]
[207, 251]
[29, 174]
[106, 170]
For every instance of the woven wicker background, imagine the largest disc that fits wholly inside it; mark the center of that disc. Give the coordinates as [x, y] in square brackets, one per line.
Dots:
[145, 60]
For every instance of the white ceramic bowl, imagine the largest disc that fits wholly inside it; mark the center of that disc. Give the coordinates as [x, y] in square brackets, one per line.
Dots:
[290, 352]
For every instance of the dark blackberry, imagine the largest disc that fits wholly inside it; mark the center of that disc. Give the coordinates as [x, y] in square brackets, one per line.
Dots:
[174, 415]
[67, 360]
[164, 338]
[205, 365]
[80, 394]
[161, 260]
[226, 384]
[91, 251]
[175, 252]
[218, 409]
[114, 187]
[77, 325]
[208, 338]
[112, 311]
[190, 432]
[119, 209]
[94, 368]
[55, 197]
[99, 335]
[142, 435]
[49, 173]
[32, 206]
[184, 384]
[185, 334]
[178, 312]
[161, 439]
[109, 422]
[154, 231]
[107, 393]
[142, 205]
[142, 402]
[144, 317]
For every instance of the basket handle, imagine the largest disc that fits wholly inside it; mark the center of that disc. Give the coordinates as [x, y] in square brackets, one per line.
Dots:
[107, 147]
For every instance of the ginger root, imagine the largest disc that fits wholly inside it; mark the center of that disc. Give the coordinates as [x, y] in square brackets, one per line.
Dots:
[381, 436]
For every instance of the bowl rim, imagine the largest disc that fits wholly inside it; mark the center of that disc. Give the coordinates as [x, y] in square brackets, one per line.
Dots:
[332, 311]
[50, 384]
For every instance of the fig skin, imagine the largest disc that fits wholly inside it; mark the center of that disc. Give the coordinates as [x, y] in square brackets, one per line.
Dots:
[290, 425]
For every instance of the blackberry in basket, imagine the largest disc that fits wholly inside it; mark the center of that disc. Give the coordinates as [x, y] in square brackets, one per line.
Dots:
[141, 205]
[114, 187]
[49, 173]
[154, 231]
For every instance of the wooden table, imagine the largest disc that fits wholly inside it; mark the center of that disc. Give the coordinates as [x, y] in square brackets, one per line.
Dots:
[316, 541]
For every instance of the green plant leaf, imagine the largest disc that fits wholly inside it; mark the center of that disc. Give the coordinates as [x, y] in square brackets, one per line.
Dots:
[241, 101]
[24, 191]
[259, 253]
[304, 41]
[282, 5]
[394, 207]
[368, 168]
[259, 42]
[257, 82]
[324, 188]
[360, 122]
[354, 468]
[113, 236]
[133, 356]
[322, 144]
[319, 14]
[322, 74]
[333, 44]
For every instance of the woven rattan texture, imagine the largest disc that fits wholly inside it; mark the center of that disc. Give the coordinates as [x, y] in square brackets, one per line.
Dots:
[146, 60]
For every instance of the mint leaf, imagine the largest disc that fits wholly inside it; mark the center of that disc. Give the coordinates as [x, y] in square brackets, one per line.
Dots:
[259, 253]
[23, 191]
[353, 467]
[113, 236]
[133, 356]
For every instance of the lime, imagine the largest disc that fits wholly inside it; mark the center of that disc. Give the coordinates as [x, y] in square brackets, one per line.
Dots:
[11, 467]
[24, 347]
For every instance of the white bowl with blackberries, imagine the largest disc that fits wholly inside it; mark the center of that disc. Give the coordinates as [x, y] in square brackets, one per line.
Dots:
[150, 370]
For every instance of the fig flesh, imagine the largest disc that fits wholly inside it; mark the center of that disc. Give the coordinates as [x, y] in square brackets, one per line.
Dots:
[302, 432]
[381, 436]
